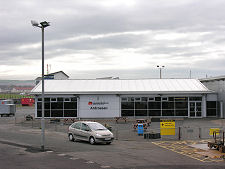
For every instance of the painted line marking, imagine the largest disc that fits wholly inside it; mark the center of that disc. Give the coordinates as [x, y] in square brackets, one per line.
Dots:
[74, 158]
[185, 150]
[105, 166]
[89, 162]
[61, 154]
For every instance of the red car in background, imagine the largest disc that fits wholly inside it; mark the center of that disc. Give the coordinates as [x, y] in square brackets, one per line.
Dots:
[27, 101]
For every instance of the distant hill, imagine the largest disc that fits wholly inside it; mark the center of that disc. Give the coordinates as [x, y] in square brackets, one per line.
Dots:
[17, 82]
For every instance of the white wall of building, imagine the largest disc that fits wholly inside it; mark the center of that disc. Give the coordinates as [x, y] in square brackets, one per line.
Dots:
[98, 106]
[203, 106]
[219, 87]
[211, 97]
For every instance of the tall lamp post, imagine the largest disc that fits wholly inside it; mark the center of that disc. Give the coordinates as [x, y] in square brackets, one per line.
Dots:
[42, 25]
[160, 71]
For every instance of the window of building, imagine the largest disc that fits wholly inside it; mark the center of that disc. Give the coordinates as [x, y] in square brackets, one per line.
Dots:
[181, 112]
[56, 113]
[154, 105]
[151, 99]
[137, 99]
[195, 98]
[167, 105]
[70, 113]
[127, 105]
[164, 98]
[181, 105]
[67, 100]
[70, 105]
[73, 99]
[157, 106]
[154, 112]
[130, 99]
[182, 99]
[171, 99]
[59, 99]
[47, 99]
[58, 107]
[47, 105]
[140, 112]
[157, 99]
[144, 99]
[167, 112]
[127, 112]
[211, 107]
[124, 99]
[53, 99]
[141, 105]
[46, 113]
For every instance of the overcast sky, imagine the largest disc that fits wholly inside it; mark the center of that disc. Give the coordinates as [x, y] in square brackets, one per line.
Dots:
[125, 38]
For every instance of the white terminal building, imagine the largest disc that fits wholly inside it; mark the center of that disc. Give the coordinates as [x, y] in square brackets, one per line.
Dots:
[108, 98]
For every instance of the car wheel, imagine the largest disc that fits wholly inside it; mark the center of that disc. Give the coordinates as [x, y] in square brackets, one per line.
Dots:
[71, 138]
[108, 143]
[92, 140]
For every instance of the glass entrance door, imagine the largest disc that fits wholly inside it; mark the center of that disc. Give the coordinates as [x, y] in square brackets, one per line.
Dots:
[195, 109]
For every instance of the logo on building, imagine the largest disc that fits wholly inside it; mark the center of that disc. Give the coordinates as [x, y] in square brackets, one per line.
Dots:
[98, 105]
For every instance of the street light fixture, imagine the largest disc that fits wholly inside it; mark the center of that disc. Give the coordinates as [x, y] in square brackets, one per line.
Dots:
[42, 25]
[160, 71]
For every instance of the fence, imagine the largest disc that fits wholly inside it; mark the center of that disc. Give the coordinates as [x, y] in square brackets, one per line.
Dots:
[124, 131]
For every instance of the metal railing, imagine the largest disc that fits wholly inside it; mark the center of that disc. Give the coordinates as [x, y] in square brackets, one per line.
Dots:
[125, 131]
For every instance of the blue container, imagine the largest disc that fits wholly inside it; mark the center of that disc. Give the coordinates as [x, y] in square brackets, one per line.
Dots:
[140, 129]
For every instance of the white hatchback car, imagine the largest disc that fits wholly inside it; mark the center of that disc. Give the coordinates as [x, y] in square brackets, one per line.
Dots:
[90, 131]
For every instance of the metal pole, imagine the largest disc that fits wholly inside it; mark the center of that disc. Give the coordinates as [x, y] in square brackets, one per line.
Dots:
[223, 138]
[179, 136]
[43, 101]
[160, 72]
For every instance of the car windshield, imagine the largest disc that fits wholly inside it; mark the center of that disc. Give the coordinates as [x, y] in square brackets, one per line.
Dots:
[96, 126]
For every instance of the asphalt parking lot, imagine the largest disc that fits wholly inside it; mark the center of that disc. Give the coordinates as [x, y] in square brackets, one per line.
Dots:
[21, 142]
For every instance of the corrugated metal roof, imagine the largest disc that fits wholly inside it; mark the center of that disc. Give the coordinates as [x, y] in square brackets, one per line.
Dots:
[119, 86]
[216, 78]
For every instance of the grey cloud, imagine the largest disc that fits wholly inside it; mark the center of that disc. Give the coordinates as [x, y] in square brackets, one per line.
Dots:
[213, 64]
[118, 42]
[76, 18]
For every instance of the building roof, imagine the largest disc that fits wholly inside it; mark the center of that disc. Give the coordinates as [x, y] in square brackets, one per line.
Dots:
[39, 78]
[118, 86]
[216, 78]
[59, 72]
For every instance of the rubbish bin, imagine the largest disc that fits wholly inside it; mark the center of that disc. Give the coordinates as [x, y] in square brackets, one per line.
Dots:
[154, 135]
[140, 129]
[146, 135]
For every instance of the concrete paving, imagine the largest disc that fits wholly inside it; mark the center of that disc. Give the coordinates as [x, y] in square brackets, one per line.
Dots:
[17, 157]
